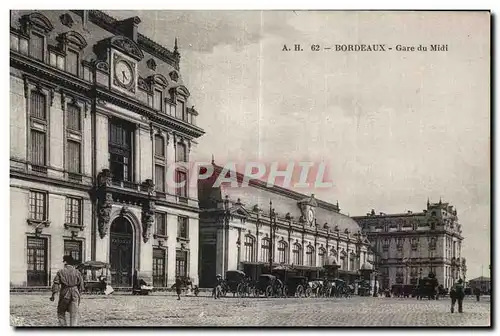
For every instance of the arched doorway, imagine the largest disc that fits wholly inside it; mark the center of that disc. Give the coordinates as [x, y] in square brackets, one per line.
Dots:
[121, 252]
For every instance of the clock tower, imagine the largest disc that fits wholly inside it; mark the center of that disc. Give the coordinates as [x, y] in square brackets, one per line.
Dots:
[307, 207]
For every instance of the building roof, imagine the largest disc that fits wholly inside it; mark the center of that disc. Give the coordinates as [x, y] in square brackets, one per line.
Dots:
[481, 278]
[284, 201]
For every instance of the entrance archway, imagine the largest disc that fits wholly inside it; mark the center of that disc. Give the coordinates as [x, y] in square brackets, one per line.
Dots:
[121, 252]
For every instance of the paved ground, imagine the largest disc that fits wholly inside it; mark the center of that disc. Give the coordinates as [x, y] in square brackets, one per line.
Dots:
[165, 310]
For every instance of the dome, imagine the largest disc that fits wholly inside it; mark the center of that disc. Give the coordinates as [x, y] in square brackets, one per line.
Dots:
[367, 266]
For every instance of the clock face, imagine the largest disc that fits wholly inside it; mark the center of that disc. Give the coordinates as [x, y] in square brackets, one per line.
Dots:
[123, 73]
[310, 215]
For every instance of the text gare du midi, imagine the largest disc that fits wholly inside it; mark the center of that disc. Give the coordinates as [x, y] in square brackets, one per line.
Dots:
[369, 47]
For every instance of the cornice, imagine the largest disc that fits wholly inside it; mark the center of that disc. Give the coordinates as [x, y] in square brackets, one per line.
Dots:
[110, 24]
[166, 120]
[50, 180]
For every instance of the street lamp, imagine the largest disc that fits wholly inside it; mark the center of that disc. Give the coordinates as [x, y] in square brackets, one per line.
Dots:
[272, 228]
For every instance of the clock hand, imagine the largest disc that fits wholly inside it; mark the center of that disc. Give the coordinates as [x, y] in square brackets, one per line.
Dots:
[124, 76]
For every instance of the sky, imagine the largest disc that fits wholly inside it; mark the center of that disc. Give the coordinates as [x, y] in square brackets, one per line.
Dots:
[393, 128]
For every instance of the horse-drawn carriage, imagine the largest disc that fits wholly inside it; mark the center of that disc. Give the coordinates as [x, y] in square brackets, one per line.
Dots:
[269, 285]
[95, 277]
[238, 283]
[295, 286]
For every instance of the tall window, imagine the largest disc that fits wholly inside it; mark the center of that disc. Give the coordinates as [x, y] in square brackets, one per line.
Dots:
[161, 224]
[352, 261]
[180, 110]
[37, 49]
[181, 267]
[74, 155]
[343, 261]
[159, 146]
[321, 256]
[159, 261]
[310, 256]
[37, 261]
[74, 249]
[297, 254]
[120, 150]
[72, 62]
[74, 118]
[38, 205]
[181, 153]
[157, 100]
[180, 177]
[264, 252]
[249, 248]
[432, 244]
[182, 227]
[38, 105]
[160, 177]
[73, 211]
[38, 149]
[282, 252]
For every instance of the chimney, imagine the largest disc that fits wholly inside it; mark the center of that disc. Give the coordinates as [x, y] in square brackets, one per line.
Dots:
[129, 27]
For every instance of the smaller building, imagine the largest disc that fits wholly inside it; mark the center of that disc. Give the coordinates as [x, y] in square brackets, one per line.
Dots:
[482, 283]
[250, 228]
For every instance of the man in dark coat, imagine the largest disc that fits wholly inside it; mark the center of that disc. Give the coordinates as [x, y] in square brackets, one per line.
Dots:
[178, 287]
[457, 293]
[477, 293]
[69, 283]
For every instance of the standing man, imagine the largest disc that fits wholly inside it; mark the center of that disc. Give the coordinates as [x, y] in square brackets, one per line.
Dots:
[457, 293]
[178, 285]
[69, 283]
[477, 293]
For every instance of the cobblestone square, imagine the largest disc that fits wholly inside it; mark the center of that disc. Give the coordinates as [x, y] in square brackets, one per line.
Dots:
[165, 310]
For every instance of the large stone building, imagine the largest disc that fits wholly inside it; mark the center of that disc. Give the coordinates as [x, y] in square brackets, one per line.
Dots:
[98, 111]
[410, 245]
[235, 232]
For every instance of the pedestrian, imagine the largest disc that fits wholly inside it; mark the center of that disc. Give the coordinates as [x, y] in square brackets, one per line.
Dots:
[457, 294]
[218, 287]
[178, 285]
[477, 293]
[69, 283]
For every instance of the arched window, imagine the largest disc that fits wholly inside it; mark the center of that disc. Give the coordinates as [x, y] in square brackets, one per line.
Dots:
[352, 261]
[321, 256]
[310, 255]
[264, 252]
[249, 248]
[297, 254]
[282, 252]
[343, 260]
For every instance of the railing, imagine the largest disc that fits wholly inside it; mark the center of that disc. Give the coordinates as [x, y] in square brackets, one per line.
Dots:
[39, 169]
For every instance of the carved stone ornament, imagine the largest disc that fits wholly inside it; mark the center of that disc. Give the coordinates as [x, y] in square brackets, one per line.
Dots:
[151, 63]
[148, 218]
[104, 214]
[174, 76]
[149, 186]
[102, 66]
[143, 84]
[104, 178]
[128, 46]
[66, 20]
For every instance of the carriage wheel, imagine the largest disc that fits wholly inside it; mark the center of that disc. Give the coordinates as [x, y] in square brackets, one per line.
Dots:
[308, 292]
[240, 290]
[285, 291]
[269, 291]
[299, 292]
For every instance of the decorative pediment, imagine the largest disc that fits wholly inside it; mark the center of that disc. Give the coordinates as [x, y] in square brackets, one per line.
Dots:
[73, 38]
[158, 79]
[125, 45]
[239, 210]
[37, 20]
[308, 201]
[182, 90]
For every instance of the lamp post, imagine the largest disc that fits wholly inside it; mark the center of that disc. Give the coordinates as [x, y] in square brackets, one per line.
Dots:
[225, 223]
[272, 228]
